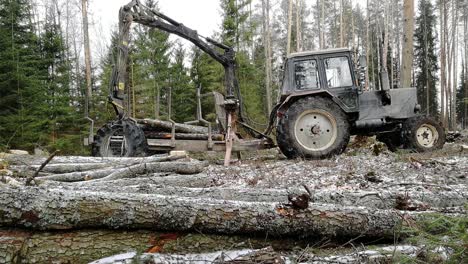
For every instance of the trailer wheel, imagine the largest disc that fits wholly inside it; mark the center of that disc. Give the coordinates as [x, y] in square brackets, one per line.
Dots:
[122, 138]
[423, 134]
[313, 128]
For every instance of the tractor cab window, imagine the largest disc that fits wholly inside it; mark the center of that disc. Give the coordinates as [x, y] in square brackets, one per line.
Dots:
[338, 72]
[306, 75]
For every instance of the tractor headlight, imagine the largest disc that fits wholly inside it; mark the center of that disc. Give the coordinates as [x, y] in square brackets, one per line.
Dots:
[417, 108]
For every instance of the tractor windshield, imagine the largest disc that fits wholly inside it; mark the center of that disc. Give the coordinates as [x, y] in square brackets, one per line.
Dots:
[306, 75]
[338, 72]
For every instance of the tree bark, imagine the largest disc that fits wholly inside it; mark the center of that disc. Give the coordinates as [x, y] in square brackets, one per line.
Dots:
[58, 210]
[146, 168]
[426, 200]
[189, 136]
[290, 14]
[407, 62]
[149, 124]
[267, 47]
[84, 10]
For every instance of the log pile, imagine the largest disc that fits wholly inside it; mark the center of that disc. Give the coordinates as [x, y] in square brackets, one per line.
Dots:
[176, 194]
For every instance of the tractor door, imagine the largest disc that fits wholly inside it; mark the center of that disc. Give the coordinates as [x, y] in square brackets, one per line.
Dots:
[339, 80]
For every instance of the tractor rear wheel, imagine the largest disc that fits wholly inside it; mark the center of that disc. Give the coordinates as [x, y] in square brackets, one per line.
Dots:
[423, 134]
[313, 128]
[121, 138]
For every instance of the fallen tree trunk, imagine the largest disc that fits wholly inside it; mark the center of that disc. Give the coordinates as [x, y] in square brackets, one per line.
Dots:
[189, 136]
[265, 256]
[84, 246]
[101, 173]
[156, 179]
[31, 160]
[37, 208]
[160, 125]
[62, 168]
[383, 200]
[149, 168]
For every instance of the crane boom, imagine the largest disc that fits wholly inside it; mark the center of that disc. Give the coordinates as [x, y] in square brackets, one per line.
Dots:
[138, 13]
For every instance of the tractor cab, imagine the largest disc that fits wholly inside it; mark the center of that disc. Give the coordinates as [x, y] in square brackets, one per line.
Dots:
[327, 72]
[323, 102]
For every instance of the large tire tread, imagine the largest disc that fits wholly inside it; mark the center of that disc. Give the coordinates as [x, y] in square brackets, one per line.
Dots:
[285, 137]
[137, 144]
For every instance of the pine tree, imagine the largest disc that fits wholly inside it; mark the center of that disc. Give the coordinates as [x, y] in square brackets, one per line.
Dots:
[426, 58]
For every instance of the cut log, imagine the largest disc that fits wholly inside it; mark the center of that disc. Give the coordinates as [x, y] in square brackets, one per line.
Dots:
[159, 125]
[62, 168]
[383, 200]
[156, 179]
[188, 136]
[149, 168]
[33, 207]
[101, 173]
[84, 246]
[35, 160]
[265, 256]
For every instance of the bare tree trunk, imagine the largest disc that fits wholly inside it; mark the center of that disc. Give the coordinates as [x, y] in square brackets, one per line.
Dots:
[367, 45]
[319, 24]
[298, 26]
[455, 64]
[267, 48]
[51, 210]
[84, 10]
[465, 83]
[290, 14]
[322, 44]
[407, 59]
[341, 25]
[84, 246]
[442, 61]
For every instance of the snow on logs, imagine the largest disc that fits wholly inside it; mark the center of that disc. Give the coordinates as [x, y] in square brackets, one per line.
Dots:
[151, 193]
[42, 209]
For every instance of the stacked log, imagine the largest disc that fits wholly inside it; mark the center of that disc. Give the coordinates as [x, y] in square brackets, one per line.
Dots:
[177, 195]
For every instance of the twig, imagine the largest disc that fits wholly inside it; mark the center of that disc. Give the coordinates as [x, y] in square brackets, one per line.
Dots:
[30, 179]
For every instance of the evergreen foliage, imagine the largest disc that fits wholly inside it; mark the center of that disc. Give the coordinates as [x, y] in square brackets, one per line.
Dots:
[426, 58]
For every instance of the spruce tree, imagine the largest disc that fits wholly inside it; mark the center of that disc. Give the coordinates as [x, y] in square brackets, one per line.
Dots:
[462, 99]
[426, 58]
[150, 54]
[183, 91]
[22, 77]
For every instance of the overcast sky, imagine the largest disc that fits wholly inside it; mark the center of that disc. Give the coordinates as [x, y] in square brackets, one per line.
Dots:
[201, 15]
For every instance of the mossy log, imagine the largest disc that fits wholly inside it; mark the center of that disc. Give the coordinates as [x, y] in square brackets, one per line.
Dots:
[37, 208]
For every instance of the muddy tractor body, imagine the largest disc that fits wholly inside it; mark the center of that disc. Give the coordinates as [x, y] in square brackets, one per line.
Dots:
[324, 100]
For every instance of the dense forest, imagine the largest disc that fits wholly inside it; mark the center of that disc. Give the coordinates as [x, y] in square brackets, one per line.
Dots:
[50, 85]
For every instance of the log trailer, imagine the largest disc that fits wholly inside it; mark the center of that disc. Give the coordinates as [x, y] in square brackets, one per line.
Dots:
[323, 101]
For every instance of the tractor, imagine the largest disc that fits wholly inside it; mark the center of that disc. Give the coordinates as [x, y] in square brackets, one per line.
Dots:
[323, 101]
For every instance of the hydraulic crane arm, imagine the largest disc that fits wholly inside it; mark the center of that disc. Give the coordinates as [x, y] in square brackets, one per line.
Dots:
[138, 13]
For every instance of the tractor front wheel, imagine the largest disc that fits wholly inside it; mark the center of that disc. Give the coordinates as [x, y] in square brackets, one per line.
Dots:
[423, 134]
[313, 128]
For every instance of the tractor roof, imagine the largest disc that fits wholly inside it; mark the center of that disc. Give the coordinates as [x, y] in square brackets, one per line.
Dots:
[317, 52]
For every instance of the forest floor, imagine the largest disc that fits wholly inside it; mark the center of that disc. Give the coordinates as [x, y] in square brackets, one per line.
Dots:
[366, 176]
